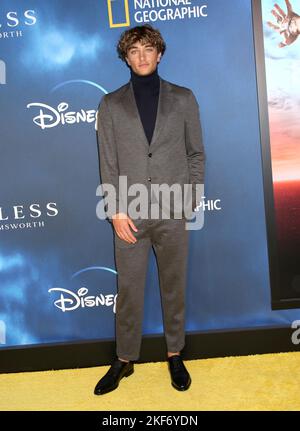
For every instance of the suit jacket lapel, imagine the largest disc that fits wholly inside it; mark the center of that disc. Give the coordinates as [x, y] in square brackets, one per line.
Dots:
[164, 105]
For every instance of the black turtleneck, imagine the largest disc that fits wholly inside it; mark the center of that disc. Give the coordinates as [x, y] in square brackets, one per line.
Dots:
[146, 92]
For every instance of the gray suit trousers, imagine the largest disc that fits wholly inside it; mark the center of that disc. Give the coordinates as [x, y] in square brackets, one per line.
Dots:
[169, 239]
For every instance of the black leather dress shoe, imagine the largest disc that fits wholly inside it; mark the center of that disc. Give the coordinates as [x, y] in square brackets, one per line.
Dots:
[110, 380]
[180, 377]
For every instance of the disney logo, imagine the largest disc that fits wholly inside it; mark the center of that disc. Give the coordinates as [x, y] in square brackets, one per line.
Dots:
[69, 300]
[50, 117]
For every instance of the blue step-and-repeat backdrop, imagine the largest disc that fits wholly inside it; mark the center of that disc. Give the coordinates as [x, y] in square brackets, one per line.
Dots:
[57, 271]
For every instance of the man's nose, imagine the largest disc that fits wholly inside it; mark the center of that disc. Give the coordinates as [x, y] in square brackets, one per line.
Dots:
[142, 55]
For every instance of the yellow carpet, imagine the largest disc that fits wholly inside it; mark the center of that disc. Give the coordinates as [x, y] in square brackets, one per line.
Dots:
[258, 382]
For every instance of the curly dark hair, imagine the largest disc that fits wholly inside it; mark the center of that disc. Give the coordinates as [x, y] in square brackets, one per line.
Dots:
[144, 34]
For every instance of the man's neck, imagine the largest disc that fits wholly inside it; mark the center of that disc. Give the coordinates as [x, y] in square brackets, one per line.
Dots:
[144, 79]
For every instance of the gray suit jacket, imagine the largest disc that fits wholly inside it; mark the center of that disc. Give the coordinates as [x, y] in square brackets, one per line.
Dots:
[175, 154]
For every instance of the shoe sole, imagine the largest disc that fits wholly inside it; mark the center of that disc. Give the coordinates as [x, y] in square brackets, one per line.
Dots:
[182, 389]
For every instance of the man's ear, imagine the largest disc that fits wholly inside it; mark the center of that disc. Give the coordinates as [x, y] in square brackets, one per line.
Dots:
[159, 57]
[127, 61]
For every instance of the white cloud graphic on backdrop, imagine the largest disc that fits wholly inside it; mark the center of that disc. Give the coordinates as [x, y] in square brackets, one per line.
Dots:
[25, 308]
[16, 278]
[55, 48]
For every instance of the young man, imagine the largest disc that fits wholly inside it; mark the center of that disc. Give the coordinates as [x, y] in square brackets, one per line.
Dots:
[148, 132]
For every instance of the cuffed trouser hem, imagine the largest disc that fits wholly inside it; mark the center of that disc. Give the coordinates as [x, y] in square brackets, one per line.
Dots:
[128, 358]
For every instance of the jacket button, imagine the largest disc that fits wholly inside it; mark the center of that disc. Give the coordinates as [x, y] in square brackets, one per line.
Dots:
[150, 154]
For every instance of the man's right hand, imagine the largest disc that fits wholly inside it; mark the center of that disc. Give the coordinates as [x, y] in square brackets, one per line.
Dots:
[122, 224]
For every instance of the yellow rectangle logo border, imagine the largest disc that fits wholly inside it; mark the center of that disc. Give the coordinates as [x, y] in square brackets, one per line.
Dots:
[110, 15]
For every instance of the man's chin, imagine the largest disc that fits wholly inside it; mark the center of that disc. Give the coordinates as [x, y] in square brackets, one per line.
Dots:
[144, 72]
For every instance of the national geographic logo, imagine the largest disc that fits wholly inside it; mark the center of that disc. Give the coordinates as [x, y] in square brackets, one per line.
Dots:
[2, 72]
[111, 4]
[144, 11]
